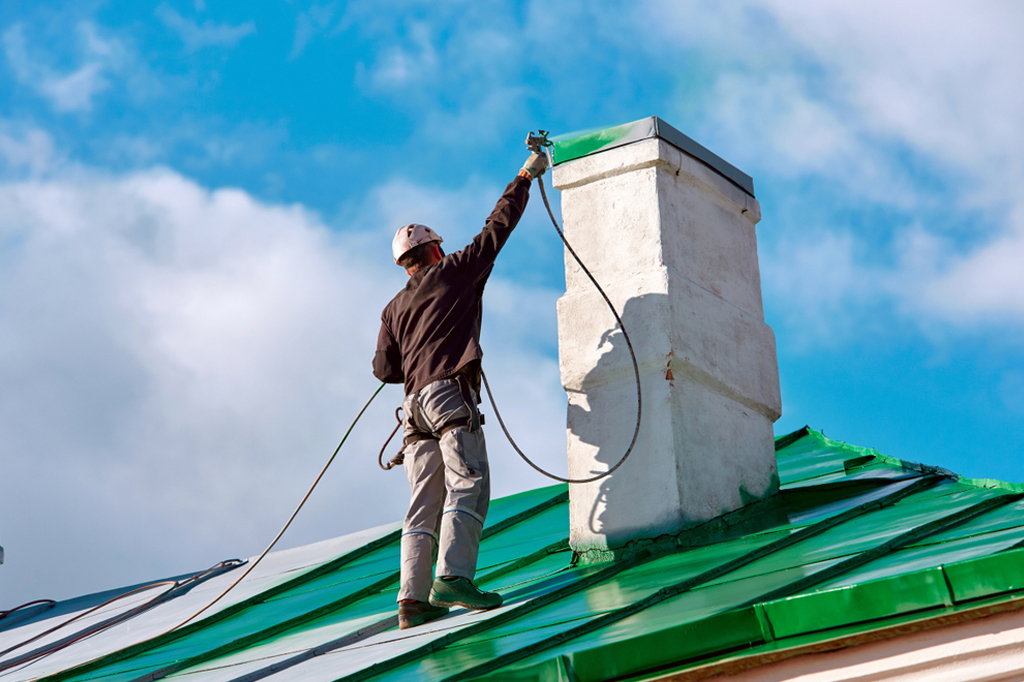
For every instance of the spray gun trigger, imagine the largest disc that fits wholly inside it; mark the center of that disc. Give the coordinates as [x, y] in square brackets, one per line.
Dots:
[537, 142]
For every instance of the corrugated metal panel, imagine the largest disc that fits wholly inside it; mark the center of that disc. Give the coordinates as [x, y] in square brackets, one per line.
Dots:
[854, 540]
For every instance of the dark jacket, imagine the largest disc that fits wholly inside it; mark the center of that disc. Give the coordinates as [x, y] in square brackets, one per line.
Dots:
[431, 329]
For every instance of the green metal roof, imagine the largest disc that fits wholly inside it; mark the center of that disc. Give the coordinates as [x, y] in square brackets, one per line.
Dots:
[577, 145]
[855, 542]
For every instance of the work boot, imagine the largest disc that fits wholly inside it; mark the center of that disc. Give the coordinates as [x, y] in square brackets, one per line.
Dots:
[450, 590]
[412, 613]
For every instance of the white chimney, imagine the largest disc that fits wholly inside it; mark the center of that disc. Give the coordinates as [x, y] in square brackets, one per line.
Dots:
[667, 228]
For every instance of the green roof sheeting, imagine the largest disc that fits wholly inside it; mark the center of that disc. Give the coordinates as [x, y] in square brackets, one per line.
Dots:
[854, 542]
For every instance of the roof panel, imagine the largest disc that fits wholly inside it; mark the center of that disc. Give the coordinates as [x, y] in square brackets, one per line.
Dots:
[1001, 518]
[857, 603]
[855, 539]
[986, 576]
[921, 557]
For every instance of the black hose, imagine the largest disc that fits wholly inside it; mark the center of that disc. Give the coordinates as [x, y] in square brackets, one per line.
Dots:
[174, 588]
[290, 518]
[4, 614]
[632, 354]
[398, 459]
[261, 556]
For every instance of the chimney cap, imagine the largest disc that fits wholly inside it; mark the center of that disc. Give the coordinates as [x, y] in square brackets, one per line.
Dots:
[583, 143]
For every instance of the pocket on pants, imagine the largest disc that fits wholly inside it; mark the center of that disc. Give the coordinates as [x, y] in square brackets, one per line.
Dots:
[468, 450]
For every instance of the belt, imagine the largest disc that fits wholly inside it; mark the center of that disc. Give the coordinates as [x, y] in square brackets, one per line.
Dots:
[418, 436]
[464, 379]
[462, 421]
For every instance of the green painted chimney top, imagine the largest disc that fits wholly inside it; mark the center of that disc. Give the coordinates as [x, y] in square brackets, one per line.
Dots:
[576, 145]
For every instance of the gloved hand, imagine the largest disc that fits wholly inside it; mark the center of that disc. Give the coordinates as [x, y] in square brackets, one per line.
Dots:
[536, 164]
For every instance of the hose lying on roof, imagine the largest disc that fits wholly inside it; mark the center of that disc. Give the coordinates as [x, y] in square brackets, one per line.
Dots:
[48, 602]
[175, 588]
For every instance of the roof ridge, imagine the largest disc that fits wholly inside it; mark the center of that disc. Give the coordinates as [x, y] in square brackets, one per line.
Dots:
[991, 483]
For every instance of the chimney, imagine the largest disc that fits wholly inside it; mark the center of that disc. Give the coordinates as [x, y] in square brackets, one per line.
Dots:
[667, 228]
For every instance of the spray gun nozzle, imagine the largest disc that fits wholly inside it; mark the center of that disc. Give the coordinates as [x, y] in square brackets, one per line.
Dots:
[537, 142]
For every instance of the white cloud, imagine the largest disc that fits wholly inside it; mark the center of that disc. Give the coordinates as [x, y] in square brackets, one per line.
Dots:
[178, 363]
[935, 75]
[310, 23]
[984, 284]
[411, 60]
[820, 278]
[68, 91]
[209, 34]
[461, 50]
[900, 107]
[988, 283]
[184, 353]
[75, 91]
[26, 148]
[456, 214]
[800, 133]
[99, 63]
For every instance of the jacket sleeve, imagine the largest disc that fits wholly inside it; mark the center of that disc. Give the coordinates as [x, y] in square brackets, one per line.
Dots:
[387, 361]
[476, 259]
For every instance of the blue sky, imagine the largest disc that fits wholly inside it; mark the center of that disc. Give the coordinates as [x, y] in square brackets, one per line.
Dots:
[197, 200]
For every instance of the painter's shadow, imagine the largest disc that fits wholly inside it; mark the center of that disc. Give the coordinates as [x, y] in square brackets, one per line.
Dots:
[608, 422]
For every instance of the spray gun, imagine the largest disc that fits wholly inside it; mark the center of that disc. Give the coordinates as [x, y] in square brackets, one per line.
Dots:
[539, 160]
[539, 143]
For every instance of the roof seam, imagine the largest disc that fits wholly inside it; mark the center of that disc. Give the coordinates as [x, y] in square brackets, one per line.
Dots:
[494, 621]
[690, 583]
[898, 542]
[906, 538]
[224, 613]
[273, 631]
[337, 605]
[790, 438]
[354, 637]
[176, 590]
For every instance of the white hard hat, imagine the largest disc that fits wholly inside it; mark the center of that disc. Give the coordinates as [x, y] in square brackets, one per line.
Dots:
[411, 236]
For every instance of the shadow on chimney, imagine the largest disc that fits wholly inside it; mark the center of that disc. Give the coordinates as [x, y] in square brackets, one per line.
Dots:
[614, 367]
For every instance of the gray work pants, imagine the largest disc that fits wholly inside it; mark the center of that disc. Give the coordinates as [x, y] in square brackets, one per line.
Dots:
[450, 483]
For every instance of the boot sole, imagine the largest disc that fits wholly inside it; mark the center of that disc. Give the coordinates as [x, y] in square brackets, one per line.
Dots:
[466, 605]
[406, 622]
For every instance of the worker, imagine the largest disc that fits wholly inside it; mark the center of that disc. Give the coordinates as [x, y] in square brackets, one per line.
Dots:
[430, 341]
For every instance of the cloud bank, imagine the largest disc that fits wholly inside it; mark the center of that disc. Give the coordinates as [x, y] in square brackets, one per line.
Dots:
[179, 362]
[898, 109]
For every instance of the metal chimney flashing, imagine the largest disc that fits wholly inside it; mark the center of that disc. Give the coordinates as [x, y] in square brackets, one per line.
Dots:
[579, 144]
